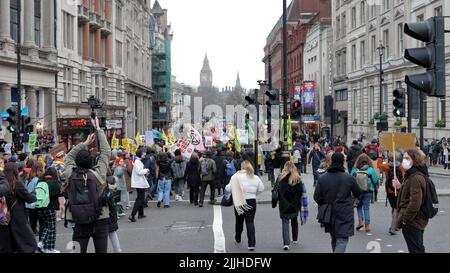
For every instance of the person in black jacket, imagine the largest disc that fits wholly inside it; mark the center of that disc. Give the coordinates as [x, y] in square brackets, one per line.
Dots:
[4, 186]
[337, 188]
[353, 153]
[219, 178]
[20, 237]
[193, 178]
[316, 157]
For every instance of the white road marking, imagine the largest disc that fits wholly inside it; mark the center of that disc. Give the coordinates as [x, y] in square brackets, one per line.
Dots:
[378, 239]
[389, 245]
[369, 234]
[219, 236]
[442, 211]
[401, 251]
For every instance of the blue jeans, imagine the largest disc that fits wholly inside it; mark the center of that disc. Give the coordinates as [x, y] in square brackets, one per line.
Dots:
[164, 187]
[365, 198]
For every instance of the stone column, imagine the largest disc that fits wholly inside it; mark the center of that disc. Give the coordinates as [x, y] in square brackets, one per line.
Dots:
[98, 46]
[5, 20]
[31, 102]
[49, 26]
[28, 24]
[86, 30]
[108, 11]
[108, 51]
[5, 103]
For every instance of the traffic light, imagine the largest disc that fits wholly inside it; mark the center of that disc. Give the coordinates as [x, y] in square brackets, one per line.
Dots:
[251, 99]
[431, 57]
[273, 100]
[27, 125]
[296, 109]
[247, 120]
[328, 106]
[12, 127]
[337, 116]
[399, 102]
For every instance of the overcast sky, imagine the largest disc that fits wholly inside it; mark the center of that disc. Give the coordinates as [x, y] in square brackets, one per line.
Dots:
[232, 32]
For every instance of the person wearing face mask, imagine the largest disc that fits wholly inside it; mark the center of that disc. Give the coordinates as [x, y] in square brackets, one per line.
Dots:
[139, 182]
[411, 194]
[316, 157]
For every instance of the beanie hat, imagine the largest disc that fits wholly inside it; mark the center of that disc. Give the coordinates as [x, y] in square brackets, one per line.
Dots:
[83, 159]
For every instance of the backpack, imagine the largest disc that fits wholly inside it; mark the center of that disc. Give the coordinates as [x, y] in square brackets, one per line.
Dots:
[178, 169]
[31, 186]
[429, 206]
[205, 167]
[362, 179]
[230, 169]
[390, 177]
[42, 195]
[84, 204]
[5, 216]
[297, 156]
[372, 153]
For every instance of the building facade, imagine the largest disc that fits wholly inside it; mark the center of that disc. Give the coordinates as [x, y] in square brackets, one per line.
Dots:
[104, 51]
[38, 62]
[364, 27]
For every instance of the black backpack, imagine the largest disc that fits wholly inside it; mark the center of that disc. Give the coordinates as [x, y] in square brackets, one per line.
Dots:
[429, 205]
[85, 196]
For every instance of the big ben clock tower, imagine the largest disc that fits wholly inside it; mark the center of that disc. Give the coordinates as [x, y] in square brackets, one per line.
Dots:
[206, 74]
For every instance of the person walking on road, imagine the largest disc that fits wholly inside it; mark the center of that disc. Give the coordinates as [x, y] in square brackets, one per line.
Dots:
[220, 176]
[120, 169]
[353, 153]
[336, 189]
[365, 176]
[208, 172]
[193, 178]
[244, 187]
[164, 175]
[411, 197]
[17, 236]
[292, 198]
[178, 169]
[140, 183]
[316, 157]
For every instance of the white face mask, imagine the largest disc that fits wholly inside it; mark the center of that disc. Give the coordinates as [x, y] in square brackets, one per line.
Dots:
[406, 164]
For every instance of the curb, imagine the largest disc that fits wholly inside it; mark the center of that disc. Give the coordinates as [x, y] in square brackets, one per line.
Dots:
[439, 174]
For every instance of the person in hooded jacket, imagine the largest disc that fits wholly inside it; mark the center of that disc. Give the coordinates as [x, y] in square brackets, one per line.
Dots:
[164, 175]
[19, 236]
[178, 169]
[219, 178]
[337, 188]
[365, 164]
[353, 153]
[4, 230]
[193, 178]
[411, 197]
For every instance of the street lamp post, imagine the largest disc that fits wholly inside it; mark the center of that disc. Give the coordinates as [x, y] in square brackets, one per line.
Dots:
[285, 154]
[381, 49]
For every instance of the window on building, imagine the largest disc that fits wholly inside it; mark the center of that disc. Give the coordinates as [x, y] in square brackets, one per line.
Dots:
[338, 64]
[13, 20]
[373, 48]
[353, 17]
[363, 53]
[68, 32]
[342, 95]
[82, 86]
[104, 89]
[373, 10]
[118, 16]
[442, 110]
[353, 52]
[119, 53]
[37, 22]
[385, 98]
[97, 86]
[127, 61]
[386, 44]
[92, 45]
[80, 40]
[67, 82]
[400, 39]
[362, 13]
[438, 11]
[103, 42]
[354, 101]
[344, 25]
[386, 5]
[344, 63]
[371, 100]
[361, 105]
[118, 92]
[338, 27]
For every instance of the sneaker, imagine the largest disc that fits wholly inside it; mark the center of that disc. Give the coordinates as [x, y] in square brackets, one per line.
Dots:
[40, 246]
[177, 197]
[141, 216]
[122, 214]
[295, 242]
[286, 247]
[392, 232]
[128, 208]
[166, 206]
[52, 251]
[238, 239]
[58, 219]
[132, 219]
[159, 204]
[251, 248]
[200, 205]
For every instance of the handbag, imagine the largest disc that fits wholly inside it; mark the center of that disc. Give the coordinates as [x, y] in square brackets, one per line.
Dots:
[324, 214]
[227, 201]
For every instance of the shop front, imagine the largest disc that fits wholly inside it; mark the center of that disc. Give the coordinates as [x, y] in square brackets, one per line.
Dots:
[73, 131]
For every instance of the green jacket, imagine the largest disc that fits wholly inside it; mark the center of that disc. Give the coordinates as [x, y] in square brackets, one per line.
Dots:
[212, 170]
[101, 168]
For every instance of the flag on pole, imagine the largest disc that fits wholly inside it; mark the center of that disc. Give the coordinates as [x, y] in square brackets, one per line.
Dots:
[251, 134]
[138, 139]
[231, 132]
[156, 134]
[114, 142]
[170, 136]
[164, 137]
[236, 141]
[289, 132]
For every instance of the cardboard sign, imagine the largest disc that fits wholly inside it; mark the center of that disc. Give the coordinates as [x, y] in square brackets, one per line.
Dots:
[149, 140]
[208, 141]
[185, 148]
[402, 140]
[57, 149]
[134, 149]
[243, 136]
[32, 142]
[126, 144]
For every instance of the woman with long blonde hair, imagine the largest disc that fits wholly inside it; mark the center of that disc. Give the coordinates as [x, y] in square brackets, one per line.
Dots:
[292, 199]
[244, 186]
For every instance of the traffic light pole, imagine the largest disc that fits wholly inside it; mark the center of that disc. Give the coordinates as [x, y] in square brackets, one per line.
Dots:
[422, 118]
[409, 118]
[285, 154]
[19, 73]
[257, 132]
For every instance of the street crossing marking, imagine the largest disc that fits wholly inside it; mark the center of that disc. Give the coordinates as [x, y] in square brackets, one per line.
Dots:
[401, 251]
[219, 236]
[378, 239]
